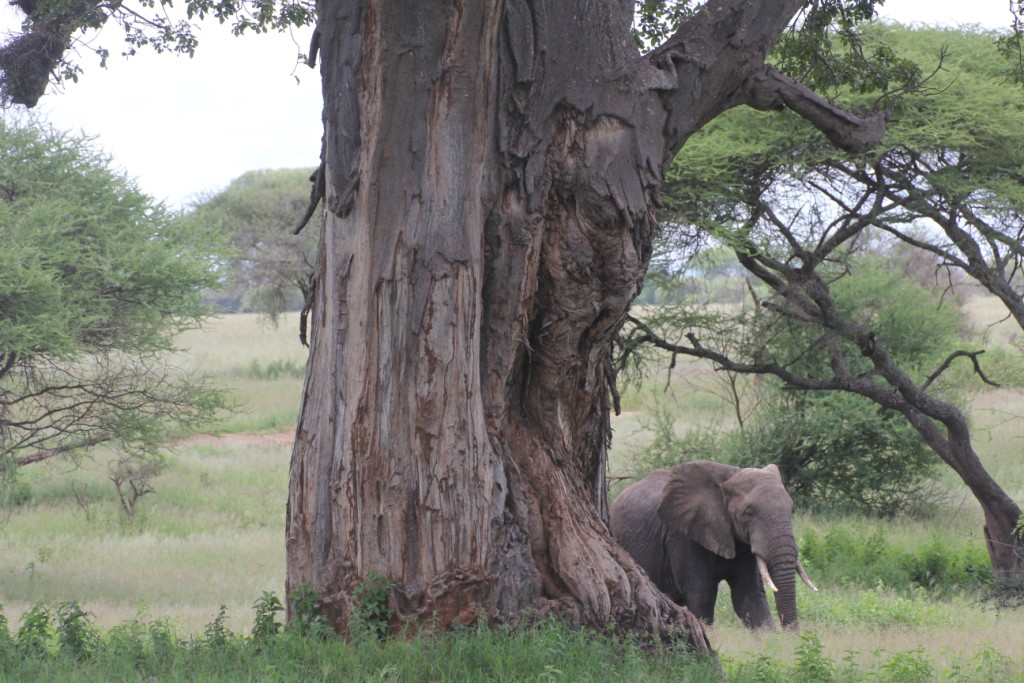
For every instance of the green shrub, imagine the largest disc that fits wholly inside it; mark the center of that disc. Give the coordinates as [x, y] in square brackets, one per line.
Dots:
[76, 636]
[216, 635]
[306, 620]
[811, 663]
[35, 636]
[8, 653]
[14, 492]
[911, 666]
[372, 613]
[276, 369]
[839, 453]
[266, 625]
[849, 554]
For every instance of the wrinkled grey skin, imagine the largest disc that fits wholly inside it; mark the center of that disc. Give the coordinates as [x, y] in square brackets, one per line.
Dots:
[700, 523]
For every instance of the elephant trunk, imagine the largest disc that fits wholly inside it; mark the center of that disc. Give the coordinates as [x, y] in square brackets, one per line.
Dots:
[784, 577]
[777, 553]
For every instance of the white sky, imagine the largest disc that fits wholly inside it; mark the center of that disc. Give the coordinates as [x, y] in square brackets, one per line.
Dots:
[183, 127]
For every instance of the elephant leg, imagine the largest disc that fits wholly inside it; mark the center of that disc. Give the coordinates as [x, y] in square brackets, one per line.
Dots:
[695, 571]
[748, 597]
[701, 600]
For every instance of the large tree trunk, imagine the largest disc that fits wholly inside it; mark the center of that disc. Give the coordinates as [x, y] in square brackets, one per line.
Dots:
[490, 172]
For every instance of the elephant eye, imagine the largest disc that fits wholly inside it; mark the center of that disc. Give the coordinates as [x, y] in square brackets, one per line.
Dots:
[748, 512]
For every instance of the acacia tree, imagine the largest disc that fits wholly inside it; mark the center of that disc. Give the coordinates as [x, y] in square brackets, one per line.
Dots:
[96, 280]
[946, 181]
[257, 213]
[490, 174]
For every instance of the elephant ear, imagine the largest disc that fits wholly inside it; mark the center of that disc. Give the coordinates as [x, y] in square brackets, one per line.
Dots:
[693, 504]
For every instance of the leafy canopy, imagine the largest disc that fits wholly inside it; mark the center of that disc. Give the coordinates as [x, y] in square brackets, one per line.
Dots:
[846, 253]
[96, 280]
[269, 269]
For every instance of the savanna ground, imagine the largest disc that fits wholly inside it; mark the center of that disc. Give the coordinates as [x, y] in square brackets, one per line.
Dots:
[899, 600]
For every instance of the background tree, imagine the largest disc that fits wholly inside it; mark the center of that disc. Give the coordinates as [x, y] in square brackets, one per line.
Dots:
[840, 451]
[257, 213]
[796, 213]
[96, 280]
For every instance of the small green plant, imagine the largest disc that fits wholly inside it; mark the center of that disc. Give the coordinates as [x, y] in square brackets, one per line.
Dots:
[909, 667]
[7, 648]
[762, 668]
[76, 636]
[992, 665]
[306, 618]
[163, 641]
[266, 625]
[36, 632]
[812, 665]
[217, 634]
[372, 612]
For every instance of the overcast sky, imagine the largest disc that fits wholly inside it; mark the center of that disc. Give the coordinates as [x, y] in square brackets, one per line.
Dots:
[183, 127]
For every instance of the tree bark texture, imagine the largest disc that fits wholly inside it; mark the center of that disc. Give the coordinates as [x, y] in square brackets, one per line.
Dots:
[491, 171]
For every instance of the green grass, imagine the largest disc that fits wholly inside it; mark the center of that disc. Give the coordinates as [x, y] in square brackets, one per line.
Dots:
[62, 645]
[896, 596]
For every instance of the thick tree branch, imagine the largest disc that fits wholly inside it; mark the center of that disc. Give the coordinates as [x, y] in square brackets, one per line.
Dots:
[722, 50]
[48, 453]
[772, 90]
[713, 53]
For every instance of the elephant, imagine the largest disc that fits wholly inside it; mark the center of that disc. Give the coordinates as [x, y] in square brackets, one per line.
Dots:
[699, 523]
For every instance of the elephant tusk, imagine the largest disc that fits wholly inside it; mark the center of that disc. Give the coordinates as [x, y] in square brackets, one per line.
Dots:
[763, 568]
[803, 575]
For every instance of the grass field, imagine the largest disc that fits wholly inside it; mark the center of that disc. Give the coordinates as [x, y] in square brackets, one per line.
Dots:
[213, 532]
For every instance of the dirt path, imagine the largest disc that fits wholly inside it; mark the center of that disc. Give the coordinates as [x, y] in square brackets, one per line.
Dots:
[282, 438]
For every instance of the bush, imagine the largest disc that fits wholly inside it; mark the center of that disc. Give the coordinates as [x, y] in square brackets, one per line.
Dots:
[840, 453]
[14, 491]
[76, 636]
[850, 555]
[276, 369]
[372, 612]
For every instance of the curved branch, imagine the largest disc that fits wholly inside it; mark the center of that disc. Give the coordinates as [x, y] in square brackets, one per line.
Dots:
[771, 89]
[973, 355]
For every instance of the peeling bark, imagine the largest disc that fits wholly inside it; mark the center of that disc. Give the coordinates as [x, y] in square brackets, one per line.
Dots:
[491, 189]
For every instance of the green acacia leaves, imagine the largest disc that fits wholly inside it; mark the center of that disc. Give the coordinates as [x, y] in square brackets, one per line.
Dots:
[269, 269]
[96, 281]
[89, 259]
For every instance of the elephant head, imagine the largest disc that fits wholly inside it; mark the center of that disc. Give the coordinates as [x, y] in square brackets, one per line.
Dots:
[718, 505]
